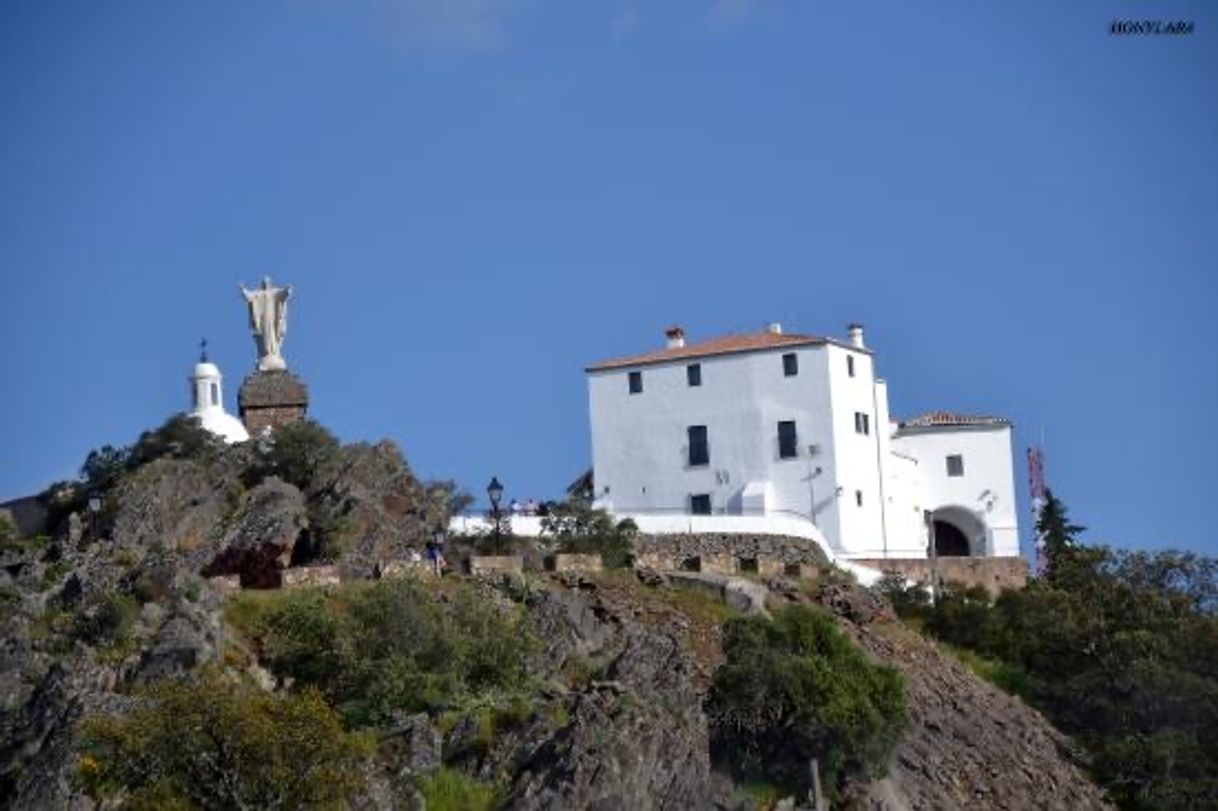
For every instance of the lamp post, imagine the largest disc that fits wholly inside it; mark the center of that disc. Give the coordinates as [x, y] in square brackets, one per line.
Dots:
[495, 491]
[933, 553]
[95, 505]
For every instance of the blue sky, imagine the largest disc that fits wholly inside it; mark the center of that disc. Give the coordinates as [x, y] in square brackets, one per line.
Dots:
[474, 199]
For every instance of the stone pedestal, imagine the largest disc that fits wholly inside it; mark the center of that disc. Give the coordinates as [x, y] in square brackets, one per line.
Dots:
[269, 399]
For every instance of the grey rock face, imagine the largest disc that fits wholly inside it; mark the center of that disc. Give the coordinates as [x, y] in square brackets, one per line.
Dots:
[637, 738]
[260, 542]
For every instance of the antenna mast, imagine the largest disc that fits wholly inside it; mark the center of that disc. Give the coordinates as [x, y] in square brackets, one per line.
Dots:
[1036, 490]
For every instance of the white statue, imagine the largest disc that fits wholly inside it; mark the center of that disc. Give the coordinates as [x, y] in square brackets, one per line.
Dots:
[268, 308]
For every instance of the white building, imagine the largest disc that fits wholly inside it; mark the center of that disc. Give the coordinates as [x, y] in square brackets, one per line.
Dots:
[207, 402]
[789, 427]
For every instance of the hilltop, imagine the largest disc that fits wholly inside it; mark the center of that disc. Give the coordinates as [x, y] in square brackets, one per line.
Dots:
[551, 690]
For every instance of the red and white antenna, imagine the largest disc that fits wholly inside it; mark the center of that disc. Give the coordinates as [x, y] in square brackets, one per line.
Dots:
[1036, 490]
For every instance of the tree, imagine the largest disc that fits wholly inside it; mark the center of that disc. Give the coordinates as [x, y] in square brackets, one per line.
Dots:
[581, 529]
[1058, 534]
[795, 688]
[298, 454]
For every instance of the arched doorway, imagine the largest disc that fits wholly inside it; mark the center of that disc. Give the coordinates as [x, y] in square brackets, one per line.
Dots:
[950, 541]
[958, 533]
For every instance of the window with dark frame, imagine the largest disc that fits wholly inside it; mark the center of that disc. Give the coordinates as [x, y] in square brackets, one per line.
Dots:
[693, 373]
[699, 450]
[790, 364]
[636, 382]
[850, 365]
[788, 441]
[858, 497]
[955, 465]
[862, 423]
[700, 504]
[215, 394]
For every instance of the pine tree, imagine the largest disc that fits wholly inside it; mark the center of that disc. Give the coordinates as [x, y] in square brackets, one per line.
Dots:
[1059, 536]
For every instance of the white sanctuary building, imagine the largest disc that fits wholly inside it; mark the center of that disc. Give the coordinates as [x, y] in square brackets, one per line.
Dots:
[787, 427]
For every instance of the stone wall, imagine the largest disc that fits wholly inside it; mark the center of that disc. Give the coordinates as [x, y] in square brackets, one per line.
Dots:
[565, 562]
[993, 573]
[495, 564]
[272, 399]
[299, 576]
[729, 553]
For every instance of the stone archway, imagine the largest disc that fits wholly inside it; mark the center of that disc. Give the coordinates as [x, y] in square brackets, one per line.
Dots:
[959, 532]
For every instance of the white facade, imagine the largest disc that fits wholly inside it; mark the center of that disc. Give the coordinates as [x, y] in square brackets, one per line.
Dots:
[207, 403]
[843, 467]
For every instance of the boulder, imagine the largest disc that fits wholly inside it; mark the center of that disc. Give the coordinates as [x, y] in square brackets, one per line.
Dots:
[259, 544]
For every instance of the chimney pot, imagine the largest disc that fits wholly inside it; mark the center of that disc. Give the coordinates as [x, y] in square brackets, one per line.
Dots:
[675, 336]
[774, 328]
[856, 335]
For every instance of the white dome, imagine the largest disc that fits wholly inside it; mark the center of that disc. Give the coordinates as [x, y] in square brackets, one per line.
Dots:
[222, 424]
[206, 369]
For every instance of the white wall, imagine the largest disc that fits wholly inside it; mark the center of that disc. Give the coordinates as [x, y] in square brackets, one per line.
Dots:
[987, 488]
[640, 450]
[639, 441]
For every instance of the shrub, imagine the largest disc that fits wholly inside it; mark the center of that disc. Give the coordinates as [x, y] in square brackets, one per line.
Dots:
[106, 622]
[451, 790]
[374, 649]
[581, 529]
[909, 600]
[297, 453]
[212, 744]
[1119, 649]
[795, 688]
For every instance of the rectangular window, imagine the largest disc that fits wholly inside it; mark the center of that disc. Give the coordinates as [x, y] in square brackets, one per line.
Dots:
[636, 382]
[693, 373]
[850, 365]
[700, 504]
[788, 442]
[790, 364]
[955, 465]
[858, 497]
[699, 450]
[862, 423]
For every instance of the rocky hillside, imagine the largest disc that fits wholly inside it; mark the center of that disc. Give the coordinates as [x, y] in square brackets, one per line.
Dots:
[617, 665]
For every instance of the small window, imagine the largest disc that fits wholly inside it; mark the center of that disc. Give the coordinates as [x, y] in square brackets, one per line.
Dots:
[790, 364]
[850, 365]
[700, 504]
[858, 497]
[693, 373]
[636, 382]
[215, 394]
[194, 396]
[699, 449]
[862, 423]
[788, 441]
[955, 465]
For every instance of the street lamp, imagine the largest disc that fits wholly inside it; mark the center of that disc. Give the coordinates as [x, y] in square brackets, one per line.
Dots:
[495, 491]
[95, 505]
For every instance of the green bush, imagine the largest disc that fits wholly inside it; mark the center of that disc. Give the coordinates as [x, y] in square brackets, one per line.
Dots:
[298, 454]
[584, 530]
[1119, 649]
[213, 744]
[795, 688]
[106, 622]
[451, 790]
[389, 646]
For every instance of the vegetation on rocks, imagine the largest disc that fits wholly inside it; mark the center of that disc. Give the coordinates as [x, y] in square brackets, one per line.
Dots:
[579, 528]
[1117, 648]
[211, 743]
[794, 689]
[389, 647]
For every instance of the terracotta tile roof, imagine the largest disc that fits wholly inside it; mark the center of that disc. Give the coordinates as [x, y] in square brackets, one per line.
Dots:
[726, 345]
[933, 419]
